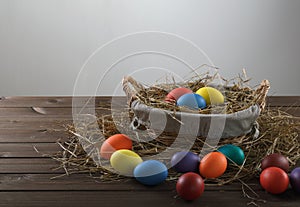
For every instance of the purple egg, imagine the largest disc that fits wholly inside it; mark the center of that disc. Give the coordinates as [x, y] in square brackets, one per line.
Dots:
[295, 179]
[183, 162]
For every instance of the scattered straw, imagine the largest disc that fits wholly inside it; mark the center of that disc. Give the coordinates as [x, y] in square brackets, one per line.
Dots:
[279, 132]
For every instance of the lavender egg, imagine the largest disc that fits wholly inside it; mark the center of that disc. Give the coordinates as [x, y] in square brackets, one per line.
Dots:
[295, 179]
[183, 162]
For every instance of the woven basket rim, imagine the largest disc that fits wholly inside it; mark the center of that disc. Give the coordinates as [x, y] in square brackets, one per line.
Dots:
[184, 113]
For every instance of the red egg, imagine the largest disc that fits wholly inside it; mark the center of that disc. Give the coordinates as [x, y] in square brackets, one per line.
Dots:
[174, 95]
[190, 186]
[275, 160]
[114, 143]
[213, 165]
[274, 180]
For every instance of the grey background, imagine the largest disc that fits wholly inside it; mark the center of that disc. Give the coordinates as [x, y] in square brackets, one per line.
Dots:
[44, 43]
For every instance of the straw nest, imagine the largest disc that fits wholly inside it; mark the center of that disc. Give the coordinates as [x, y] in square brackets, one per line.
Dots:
[278, 132]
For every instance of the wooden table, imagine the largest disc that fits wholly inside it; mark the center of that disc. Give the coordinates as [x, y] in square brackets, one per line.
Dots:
[28, 122]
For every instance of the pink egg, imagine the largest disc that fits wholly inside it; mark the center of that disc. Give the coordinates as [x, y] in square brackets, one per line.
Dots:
[175, 94]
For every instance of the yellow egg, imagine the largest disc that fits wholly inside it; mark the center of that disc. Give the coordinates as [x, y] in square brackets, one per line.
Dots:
[124, 161]
[211, 95]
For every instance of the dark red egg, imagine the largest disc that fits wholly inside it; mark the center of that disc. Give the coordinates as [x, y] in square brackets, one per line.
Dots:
[190, 186]
[275, 160]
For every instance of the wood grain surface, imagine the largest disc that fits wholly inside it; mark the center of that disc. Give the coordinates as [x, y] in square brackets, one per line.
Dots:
[30, 127]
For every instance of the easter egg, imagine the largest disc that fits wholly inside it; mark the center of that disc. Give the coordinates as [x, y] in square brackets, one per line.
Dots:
[213, 165]
[211, 95]
[185, 162]
[295, 179]
[190, 186]
[233, 153]
[275, 160]
[174, 95]
[274, 180]
[124, 161]
[192, 101]
[113, 143]
[151, 172]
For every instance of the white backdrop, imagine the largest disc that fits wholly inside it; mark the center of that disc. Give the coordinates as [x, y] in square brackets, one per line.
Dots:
[44, 43]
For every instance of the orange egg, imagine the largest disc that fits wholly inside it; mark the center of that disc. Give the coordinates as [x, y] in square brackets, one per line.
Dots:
[213, 165]
[114, 143]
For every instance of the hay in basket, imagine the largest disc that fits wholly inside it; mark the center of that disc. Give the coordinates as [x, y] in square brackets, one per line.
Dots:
[278, 130]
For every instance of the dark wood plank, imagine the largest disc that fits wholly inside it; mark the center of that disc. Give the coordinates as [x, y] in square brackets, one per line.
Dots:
[74, 182]
[138, 198]
[29, 101]
[37, 174]
[29, 165]
[83, 181]
[45, 113]
[295, 111]
[27, 149]
[53, 101]
[283, 101]
[16, 135]
[38, 112]
[33, 124]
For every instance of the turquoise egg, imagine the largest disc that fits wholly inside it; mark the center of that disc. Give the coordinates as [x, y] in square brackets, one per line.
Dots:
[233, 153]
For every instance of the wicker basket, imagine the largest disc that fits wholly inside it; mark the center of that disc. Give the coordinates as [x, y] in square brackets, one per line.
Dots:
[195, 124]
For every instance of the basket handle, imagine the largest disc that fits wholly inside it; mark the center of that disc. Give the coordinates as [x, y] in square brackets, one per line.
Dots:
[262, 92]
[131, 88]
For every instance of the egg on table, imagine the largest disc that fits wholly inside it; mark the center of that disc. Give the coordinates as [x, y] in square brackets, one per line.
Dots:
[151, 172]
[274, 180]
[233, 153]
[113, 143]
[124, 161]
[190, 186]
[295, 179]
[211, 95]
[191, 101]
[213, 165]
[176, 93]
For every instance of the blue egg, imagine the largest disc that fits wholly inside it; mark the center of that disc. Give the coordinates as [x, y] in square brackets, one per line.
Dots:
[200, 101]
[192, 101]
[233, 153]
[183, 162]
[151, 172]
